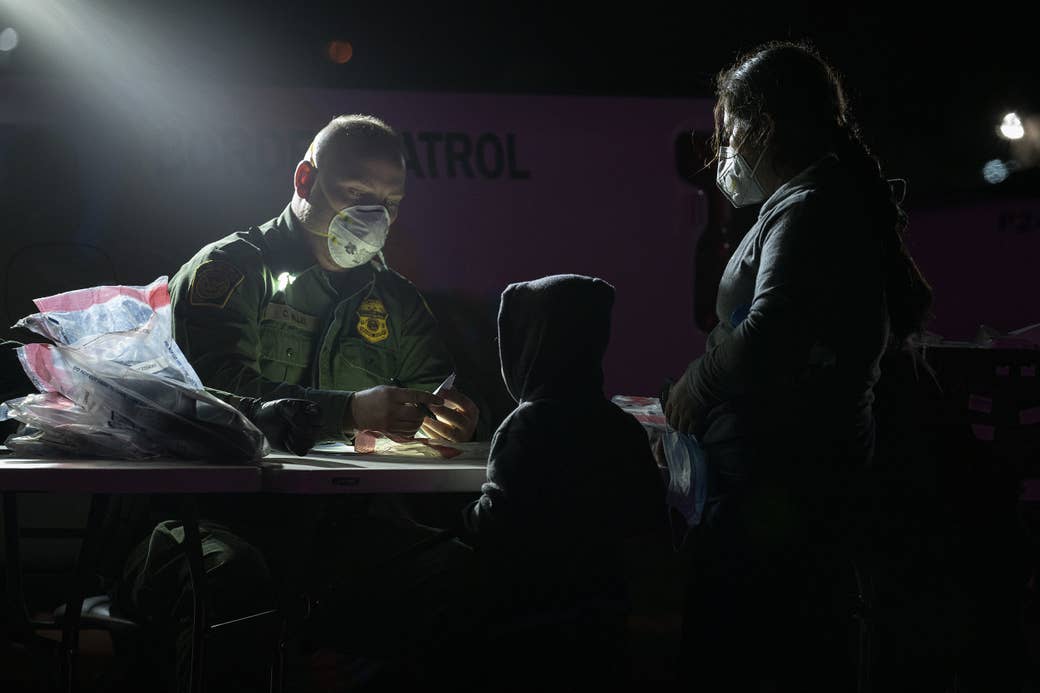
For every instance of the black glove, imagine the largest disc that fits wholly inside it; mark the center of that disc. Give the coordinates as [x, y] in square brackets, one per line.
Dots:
[288, 424]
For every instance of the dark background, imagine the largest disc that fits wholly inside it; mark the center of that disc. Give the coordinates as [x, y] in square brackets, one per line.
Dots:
[929, 86]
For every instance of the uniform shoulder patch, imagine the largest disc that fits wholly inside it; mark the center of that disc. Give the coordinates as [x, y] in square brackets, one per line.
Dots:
[213, 283]
[371, 324]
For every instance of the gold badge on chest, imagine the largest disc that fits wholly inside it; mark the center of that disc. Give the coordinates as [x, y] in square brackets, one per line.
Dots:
[372, 321]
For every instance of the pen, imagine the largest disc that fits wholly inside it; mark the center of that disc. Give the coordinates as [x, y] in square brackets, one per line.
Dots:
[426, 410]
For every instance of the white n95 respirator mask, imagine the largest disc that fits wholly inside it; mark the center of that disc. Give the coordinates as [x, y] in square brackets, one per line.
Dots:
[357, 234]
[737, 180]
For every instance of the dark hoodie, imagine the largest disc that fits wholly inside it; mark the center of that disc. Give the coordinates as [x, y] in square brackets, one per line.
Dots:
[802, 326]
[570, 475]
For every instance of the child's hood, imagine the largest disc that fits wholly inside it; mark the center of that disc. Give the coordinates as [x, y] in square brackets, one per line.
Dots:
[552, 335]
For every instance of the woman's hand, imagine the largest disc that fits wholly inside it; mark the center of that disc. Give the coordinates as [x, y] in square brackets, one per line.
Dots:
[680, 409]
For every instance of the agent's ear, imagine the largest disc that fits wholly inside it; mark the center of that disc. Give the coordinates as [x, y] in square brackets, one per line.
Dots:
[303, 180]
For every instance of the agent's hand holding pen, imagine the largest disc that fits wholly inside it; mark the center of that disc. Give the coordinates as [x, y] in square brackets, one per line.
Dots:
[389, 409]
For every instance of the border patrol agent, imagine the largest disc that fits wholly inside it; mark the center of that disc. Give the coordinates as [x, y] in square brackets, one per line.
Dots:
[305, 307]
[257, 317]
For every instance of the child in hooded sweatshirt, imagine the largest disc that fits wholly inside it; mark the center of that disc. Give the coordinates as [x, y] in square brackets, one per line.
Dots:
[572, 483]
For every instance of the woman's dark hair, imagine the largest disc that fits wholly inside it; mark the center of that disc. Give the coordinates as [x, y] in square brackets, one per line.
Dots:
[786, 95]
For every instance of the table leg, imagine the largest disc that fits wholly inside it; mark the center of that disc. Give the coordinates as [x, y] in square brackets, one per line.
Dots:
[197, 571]
[12, 547]
[86, 566]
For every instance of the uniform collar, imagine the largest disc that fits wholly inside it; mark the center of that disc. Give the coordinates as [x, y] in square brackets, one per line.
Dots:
[287, 249]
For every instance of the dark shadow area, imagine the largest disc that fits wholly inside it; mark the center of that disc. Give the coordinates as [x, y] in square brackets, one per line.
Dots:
[43, 209]
[950, 559]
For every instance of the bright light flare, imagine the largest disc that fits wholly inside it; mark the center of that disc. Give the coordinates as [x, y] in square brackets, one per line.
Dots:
[1011, 127]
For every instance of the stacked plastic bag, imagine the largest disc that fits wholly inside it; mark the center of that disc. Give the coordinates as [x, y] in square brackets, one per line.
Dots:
[115, 384]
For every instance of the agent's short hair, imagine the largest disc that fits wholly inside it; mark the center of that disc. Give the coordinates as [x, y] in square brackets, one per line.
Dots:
[355, 135]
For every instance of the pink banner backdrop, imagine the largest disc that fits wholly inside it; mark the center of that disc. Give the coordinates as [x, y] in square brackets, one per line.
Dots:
[502, 188]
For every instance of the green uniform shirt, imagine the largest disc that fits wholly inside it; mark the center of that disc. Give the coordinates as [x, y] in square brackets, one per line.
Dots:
[256, 316]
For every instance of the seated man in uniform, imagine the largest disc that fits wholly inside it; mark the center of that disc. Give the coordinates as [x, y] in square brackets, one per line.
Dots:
[305, 306]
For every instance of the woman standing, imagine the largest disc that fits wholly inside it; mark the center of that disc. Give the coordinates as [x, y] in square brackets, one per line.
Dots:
[819, 288]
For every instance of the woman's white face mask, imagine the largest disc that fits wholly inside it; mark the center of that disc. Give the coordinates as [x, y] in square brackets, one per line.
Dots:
[737, 180]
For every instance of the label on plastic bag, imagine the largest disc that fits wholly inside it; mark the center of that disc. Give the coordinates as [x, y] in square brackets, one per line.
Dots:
[152, 366]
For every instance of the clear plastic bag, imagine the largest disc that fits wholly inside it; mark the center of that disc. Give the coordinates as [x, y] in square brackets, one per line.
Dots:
[128, 392]
[688, 484]
[57, 426]
[646, 410]
[687, 489]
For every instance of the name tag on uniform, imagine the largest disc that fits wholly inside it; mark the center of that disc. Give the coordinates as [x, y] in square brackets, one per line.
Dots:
[290, 316]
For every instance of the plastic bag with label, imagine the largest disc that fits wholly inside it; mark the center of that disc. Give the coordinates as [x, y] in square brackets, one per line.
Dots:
[116, 374]
[130, 325]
